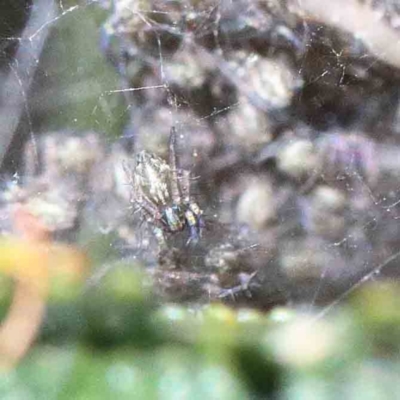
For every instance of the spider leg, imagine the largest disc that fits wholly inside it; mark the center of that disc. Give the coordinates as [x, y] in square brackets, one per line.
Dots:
[128, 172]
[159, 234]
[185, 189]
[199, 215]
[184, 178]
[193, 214]
[149, 208]
[144, 202]
[175, 190]
[152, 212]
[193, 227]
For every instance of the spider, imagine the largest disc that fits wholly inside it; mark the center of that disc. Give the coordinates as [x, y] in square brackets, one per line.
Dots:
[162, 192]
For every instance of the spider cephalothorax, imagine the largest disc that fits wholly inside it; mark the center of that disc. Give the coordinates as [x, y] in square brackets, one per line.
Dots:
[162, 192]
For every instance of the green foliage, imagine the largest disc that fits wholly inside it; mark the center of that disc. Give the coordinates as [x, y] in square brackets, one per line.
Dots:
[73, 91]
[113, 339]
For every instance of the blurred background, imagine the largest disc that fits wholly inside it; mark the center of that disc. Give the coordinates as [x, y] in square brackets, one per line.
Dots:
[287, 116]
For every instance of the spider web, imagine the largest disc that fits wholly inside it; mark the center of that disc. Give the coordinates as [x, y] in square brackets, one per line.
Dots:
[319, 268]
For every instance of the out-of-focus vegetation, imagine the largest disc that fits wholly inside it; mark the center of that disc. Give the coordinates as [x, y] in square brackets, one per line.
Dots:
[114, 340]
[70, 90]
[293, 120]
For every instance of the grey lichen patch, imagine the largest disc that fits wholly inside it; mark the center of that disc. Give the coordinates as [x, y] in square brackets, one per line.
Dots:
[256, 206]
[298, 158]
[56, 207]
[324, 214]
[245, 126]
[185, 71]
[62, 155]
[348, 154]
[269, 79]
[57, 171]
[328, 199]
[305, 259]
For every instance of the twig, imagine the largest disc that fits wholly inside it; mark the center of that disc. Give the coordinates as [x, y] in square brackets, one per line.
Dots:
[13, 98]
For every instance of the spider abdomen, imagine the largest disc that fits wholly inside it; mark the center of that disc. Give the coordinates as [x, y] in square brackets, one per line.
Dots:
[152, 175]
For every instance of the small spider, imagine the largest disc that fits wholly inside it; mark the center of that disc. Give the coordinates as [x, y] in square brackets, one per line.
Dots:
[162, 192]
